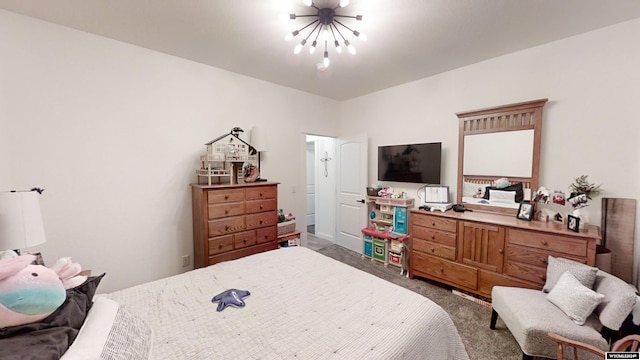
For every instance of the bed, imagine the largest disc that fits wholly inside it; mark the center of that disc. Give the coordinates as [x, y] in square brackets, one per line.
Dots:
[480, 190]
[301, 305]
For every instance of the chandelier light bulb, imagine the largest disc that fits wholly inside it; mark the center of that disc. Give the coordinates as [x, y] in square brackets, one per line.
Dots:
[344, 3]
[360, 35]
[325, 34]
[312, 49]
[350, 47]
[307, 2]
[298, 47]
[285, 16]
[338, 47]
[326, 61]
[291, 35]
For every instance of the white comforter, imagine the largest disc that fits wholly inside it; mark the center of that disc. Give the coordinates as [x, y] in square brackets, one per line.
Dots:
[303, 305]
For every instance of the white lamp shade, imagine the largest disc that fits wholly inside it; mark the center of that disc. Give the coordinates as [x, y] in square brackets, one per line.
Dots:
[21, 223]
[258, 139]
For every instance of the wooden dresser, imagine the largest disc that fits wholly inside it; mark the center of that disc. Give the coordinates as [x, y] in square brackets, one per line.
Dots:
[475, 251]
[232, 221]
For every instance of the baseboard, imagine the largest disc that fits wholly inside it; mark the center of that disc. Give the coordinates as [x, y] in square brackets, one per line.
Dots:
[469, 297]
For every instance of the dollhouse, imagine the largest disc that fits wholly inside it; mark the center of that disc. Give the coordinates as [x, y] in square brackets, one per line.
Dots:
[225, 157]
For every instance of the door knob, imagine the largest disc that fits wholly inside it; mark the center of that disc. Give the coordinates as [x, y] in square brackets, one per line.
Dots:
[360, 201]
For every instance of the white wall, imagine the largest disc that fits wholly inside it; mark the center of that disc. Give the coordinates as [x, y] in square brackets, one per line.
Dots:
[113, 132]
[590, 125]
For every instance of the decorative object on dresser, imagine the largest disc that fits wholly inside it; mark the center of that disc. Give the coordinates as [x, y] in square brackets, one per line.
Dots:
[232, 221]
[525, 211]
[580, 192]
[21, 224]
[225, 158]
[475, 251]
[487, 138]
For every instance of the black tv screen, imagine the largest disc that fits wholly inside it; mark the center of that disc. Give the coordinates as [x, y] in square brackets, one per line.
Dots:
[414, 163]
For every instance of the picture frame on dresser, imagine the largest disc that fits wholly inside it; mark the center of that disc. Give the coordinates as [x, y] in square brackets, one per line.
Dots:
[525, 211]
[573, 223]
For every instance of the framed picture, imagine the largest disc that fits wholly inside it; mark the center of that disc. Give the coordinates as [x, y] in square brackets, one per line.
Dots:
[525, 211]
[573, 223]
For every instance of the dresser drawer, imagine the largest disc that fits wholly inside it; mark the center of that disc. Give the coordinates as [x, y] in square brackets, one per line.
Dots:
[434, 222]
[535, 257]
[446, 270]
[550, 242]
[244, 239]
[256, 206]
[267, 234]
[220, 196]
[441, 237]
[259, 220]
[527, 272]
[261, 193]
[226, 225]
[432, 248]
[220, 244]
[217, 211]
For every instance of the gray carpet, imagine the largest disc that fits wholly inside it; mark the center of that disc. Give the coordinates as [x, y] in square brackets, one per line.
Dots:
[471, 319]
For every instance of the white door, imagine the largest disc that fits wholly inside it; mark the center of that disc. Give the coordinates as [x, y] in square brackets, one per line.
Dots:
[351, 213]
[311, 183]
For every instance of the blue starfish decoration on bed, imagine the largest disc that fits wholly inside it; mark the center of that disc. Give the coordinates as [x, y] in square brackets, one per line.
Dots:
[230, 297]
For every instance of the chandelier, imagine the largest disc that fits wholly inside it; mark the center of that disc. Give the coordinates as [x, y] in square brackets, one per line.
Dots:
[325, 28]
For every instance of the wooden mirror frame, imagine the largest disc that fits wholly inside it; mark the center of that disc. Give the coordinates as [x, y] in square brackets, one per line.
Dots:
[513, 117]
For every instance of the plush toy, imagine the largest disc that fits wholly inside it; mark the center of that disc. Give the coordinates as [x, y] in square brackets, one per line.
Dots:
[29, 293]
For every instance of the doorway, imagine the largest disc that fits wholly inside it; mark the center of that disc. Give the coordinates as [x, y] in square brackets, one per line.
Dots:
[320, 191]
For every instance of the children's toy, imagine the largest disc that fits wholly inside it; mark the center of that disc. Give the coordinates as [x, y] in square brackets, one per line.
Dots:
[30, 293]
[230, 297]
[226, 155]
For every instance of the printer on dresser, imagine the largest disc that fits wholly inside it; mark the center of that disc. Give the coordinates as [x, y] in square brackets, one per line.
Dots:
[233, 221]
[475, 251]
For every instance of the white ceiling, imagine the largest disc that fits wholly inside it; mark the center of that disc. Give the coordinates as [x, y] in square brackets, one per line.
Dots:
[408, 39]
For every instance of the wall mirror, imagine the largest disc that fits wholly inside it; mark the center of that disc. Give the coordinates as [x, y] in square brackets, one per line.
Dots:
[499, 142]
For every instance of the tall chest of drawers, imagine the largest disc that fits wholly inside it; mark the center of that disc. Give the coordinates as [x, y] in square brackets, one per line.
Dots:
[232, 221]
[476, 251]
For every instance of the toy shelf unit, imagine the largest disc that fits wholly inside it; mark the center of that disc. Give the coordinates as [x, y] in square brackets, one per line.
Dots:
[387, 248]
[388, 214]
[225, 158]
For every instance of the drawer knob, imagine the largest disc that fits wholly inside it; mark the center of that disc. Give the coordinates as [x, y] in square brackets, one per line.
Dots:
[433, 223]
[433, 237]
[544, 242]
[543, 278]
[433, 250]
[220, 246]
[226, 197]
[261, 207]
[501, 251]
[543, 260]
[261, 222]
[226, 227]
[441, 270]
[226, 211]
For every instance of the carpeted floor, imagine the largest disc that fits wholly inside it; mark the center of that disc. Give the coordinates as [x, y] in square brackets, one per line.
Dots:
[471, 319]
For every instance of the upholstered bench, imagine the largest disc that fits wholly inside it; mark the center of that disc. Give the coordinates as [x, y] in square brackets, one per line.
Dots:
[530, 315]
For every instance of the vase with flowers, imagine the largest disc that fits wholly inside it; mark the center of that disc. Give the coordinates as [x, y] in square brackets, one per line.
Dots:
[580, 192]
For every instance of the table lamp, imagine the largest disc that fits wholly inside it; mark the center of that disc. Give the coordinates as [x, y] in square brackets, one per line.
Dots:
[21, 223]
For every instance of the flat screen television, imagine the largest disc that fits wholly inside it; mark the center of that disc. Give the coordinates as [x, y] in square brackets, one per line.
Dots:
[413, 163]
